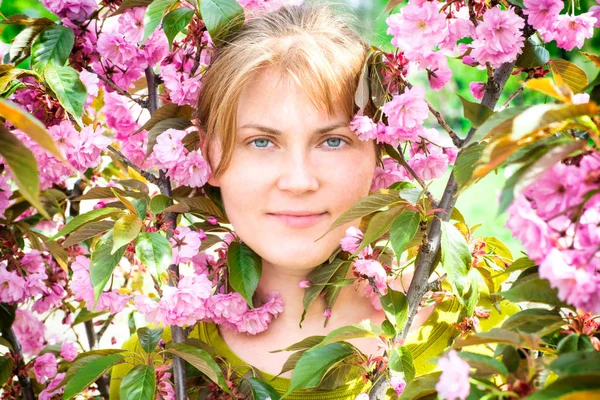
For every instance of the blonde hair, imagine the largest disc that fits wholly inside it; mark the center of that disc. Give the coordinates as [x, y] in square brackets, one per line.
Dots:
[310, 44]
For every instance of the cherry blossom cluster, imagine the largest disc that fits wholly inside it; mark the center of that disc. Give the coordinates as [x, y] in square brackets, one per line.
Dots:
[454, 380]
[185, 167]
[406, 113]
[557, 219]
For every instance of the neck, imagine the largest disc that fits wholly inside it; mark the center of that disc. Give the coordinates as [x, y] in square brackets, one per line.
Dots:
[286, 281]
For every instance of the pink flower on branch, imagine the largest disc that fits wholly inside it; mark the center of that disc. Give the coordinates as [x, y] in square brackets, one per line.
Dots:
[407, 110]
[45, 367]
[571, 31]
[454, 380]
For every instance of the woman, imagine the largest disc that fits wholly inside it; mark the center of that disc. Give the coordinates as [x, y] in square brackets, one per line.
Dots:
[275, 109]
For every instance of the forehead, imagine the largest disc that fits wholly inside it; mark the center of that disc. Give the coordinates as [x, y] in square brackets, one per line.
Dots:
[271, 97]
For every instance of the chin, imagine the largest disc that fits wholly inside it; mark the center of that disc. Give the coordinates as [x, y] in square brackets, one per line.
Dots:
[298, 258]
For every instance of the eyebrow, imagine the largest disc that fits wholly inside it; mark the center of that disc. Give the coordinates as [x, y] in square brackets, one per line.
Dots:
[319, 131]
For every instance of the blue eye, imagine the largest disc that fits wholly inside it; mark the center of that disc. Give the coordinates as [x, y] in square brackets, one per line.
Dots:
[334, 142]
[261, 142]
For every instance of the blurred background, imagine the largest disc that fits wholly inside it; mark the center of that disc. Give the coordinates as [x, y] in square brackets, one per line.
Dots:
[479, 202]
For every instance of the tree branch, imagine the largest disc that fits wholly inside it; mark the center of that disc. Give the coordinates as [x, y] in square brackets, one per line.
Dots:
[455, 139]
[24, 381]
[428, 251]
[149, 177]
[164, 184]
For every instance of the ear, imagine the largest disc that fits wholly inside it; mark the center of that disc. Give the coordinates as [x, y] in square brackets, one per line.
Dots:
[212, 180]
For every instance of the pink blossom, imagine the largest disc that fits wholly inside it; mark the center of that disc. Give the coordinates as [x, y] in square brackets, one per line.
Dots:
[595, 11]
[398, 384]
[229, 307]
[529, 228]
[458, 27]
[477, 89]
[183, 88]
[454, 380]
[391, 172]
[304, 284]
[51, 299]
[254, 321]
[571, 31]
[169, 149]
[164, 388]
[33, 262]
[118, 115]
[373, 269]
[116, 49]
[5, 193]
[12, 286]
[364, 127]
[144, 305]
[556, 190]
[131, 24]
[203, 263]
[155, 48]
[373, 297]
[274, 304]
[45, 367]
[580, 98]
[29, 331]
[76, 10]
[193, 171]
[91, 81]
[68, 351]
[407, 110]
[53, 388]
[112, 301]
[178, 307]
[417, 25]
[498, 38]
[352, 240]
[541, 14]
[438, 72]
[186, 244]
[36, 284]
[260, 6]
[430, 166]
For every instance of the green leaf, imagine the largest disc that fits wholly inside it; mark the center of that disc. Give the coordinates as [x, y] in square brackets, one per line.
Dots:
[126, 229]
[401, 363]
[221, 16]
[166, 112]
[379, 224]
[69, 90]
[175, 21]
[200, 360]
[364, 329]
[568, 385]
[261, 389]
[153, 16]
[496, 120]
[476, 113]
[534, 54]
[90, 216]
[315, 363]
[534, 320]
[154, 251]
[6, 368]
[87, 315]
[149, 338]
[421, 387]
[485, 365]
[197, 205]
[403, 230]
[495, 335]
[395, 306]
[88, 231]
[388, 328]
[159, 203]
[304, 344]
[574, 343]
[7, 316]
[103, 263]
[577, 362]
[141, 205]
[52, 46]
[89, 373]
[23, 166]
[245, 269]
[534, 289]
[519, 264]
[567, 73]
[20, 47]
[456, 258]
[139, 383]
[465, 164]
[365, 206]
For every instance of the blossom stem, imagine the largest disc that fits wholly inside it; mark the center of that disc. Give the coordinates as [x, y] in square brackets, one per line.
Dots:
[455, 139]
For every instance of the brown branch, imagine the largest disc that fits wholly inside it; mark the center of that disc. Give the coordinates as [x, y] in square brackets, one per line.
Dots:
[164, 184]
[149, 177]
[428, 251]
[24, 381]
[455, 139]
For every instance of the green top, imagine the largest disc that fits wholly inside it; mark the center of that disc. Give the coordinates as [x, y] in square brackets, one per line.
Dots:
[209, 333]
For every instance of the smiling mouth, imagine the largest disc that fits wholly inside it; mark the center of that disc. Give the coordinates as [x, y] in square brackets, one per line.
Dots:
[298, 221]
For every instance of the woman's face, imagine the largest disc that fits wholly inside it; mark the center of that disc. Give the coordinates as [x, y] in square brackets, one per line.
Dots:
[290, 157]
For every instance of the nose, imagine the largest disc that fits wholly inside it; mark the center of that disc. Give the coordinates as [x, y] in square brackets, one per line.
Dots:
[297, 174]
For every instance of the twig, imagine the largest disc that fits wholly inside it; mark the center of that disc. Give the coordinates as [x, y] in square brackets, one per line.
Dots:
[511, 98]
[149, 177]
[24, 381]
[105, 327]
[164, 184]
[116, 88]
[455, 139]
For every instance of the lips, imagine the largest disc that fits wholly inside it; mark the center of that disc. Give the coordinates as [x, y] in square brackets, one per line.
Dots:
[298, 219]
